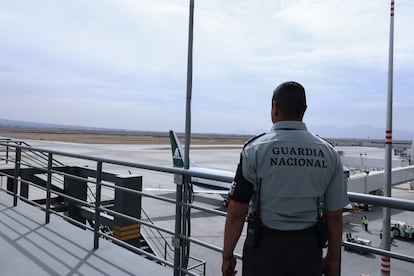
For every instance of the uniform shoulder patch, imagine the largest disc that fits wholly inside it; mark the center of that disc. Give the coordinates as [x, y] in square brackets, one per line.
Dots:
[253, 138]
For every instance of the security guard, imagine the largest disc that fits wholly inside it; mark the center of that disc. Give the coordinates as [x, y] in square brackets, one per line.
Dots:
[288, 171]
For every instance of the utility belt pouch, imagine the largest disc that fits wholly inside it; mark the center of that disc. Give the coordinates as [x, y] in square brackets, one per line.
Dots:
[320, 226]
[254, 222]
[322, 232]
[254, 232]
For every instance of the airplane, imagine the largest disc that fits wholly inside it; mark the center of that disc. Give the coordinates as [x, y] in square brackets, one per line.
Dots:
[209, 186]
[369, 183]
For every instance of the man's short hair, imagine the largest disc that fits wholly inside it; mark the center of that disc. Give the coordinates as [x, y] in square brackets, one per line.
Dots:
[291, 99]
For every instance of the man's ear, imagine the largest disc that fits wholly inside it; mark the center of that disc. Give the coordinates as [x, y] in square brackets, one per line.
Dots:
[275, 111]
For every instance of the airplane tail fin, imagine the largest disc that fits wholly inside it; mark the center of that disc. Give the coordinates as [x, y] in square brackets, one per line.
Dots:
[176, 150]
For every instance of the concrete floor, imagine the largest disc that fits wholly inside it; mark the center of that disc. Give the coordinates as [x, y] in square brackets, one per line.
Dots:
[28, 246]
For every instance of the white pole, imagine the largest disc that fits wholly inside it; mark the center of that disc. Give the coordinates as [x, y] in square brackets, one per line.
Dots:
[385, 261]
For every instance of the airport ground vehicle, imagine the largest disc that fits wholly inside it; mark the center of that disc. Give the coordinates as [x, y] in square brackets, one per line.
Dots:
[399, 228]
[356, 240]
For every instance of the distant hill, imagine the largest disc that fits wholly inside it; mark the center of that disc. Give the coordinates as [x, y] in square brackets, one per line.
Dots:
[26, 124]
[45, 127]
[361, 131]
[356, 132]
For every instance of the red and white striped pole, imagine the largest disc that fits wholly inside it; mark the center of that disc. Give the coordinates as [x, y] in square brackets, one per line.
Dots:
[386, 240]
[385, 266]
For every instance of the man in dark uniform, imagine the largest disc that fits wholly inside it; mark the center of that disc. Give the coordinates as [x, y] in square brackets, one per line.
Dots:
[285, 174]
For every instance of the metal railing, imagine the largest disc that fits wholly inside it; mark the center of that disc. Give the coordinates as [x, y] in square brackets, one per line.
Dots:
[33, 156]
[394, 203]
[21, 163]
[181, 237]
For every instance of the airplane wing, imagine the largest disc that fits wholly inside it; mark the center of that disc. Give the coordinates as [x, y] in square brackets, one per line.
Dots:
[196, 191]
[211, 191]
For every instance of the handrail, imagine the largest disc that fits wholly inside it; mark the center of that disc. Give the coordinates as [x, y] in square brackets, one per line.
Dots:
[164, 169]
[166, 244]
[29, 148]
[382, 201]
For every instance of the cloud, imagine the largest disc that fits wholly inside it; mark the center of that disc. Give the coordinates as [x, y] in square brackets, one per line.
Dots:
[130, 57]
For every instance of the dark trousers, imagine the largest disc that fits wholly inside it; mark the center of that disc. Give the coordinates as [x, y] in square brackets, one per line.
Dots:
[284, 253]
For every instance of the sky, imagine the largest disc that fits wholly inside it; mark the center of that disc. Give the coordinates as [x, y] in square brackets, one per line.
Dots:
[123, 63]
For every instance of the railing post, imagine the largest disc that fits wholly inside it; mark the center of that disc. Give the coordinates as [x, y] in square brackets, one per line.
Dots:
[178, 179]
[7, 153]
[16, 174]
[97, 205]
[165, 250]
[48, 184]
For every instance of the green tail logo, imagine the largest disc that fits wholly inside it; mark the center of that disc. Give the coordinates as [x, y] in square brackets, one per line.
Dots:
[176, 150]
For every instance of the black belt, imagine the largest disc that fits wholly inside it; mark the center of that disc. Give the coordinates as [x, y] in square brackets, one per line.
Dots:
[287, 233]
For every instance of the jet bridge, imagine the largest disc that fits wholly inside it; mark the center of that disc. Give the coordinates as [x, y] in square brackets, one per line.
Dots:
[373, 181]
